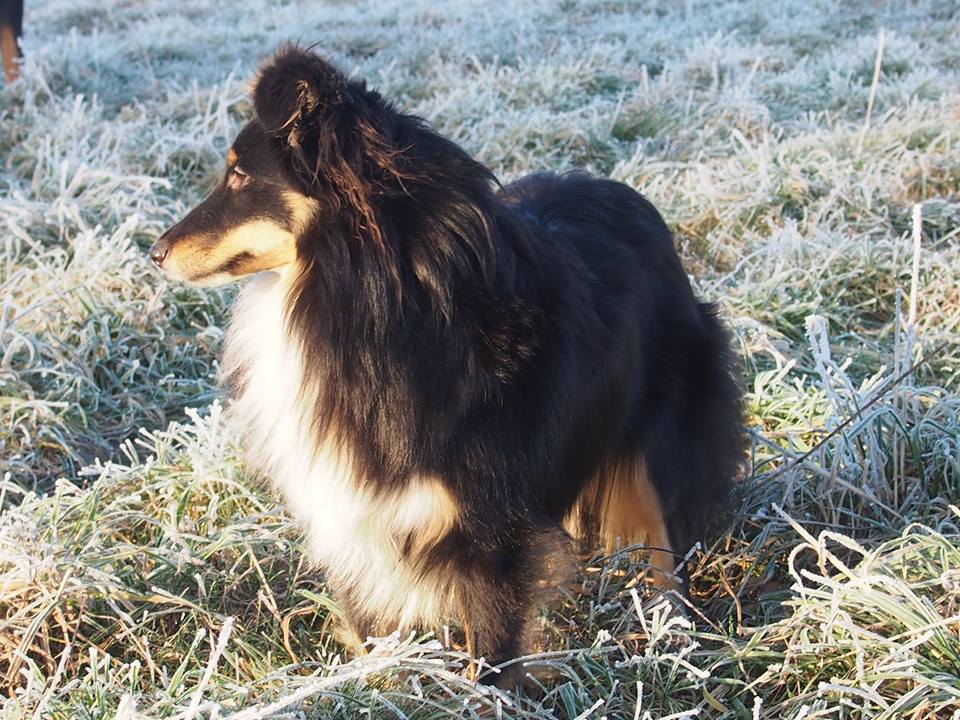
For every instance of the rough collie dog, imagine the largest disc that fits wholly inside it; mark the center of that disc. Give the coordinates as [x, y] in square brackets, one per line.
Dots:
[447, 379]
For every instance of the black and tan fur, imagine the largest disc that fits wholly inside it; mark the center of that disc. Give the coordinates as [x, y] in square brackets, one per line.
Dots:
[11, 28]
[445, 377]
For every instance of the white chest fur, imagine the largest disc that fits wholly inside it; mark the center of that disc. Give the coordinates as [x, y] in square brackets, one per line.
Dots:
[352, 532]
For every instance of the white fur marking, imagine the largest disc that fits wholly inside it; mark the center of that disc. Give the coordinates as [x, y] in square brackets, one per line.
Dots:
[352, 533]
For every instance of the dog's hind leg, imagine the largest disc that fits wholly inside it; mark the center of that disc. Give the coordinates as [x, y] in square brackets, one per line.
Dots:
[620, 508]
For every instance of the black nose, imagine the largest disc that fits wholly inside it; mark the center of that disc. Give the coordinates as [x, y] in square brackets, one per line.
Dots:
[158, 251]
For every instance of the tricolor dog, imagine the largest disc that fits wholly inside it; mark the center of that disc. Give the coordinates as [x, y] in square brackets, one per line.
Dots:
[453, 383]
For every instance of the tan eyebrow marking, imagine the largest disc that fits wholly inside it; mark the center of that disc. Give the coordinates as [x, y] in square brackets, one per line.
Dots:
[232, 157]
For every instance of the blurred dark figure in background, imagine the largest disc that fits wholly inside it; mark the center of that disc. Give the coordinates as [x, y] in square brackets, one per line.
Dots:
[11, 28]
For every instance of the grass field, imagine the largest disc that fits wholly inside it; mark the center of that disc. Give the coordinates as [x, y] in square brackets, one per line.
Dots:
[814, 194]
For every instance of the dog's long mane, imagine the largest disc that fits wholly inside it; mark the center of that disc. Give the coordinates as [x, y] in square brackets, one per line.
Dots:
[408, 302]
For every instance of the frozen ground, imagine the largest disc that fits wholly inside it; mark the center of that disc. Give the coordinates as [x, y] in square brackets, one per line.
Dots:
[143, 574]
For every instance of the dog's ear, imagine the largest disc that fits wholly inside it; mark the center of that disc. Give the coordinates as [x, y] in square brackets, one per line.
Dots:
[334, 129]
[297, 91]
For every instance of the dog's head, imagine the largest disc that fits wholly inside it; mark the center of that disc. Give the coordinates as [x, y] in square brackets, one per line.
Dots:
[315, 152]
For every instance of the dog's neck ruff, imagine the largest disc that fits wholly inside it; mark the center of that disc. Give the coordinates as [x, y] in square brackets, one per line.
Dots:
[353, 531]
